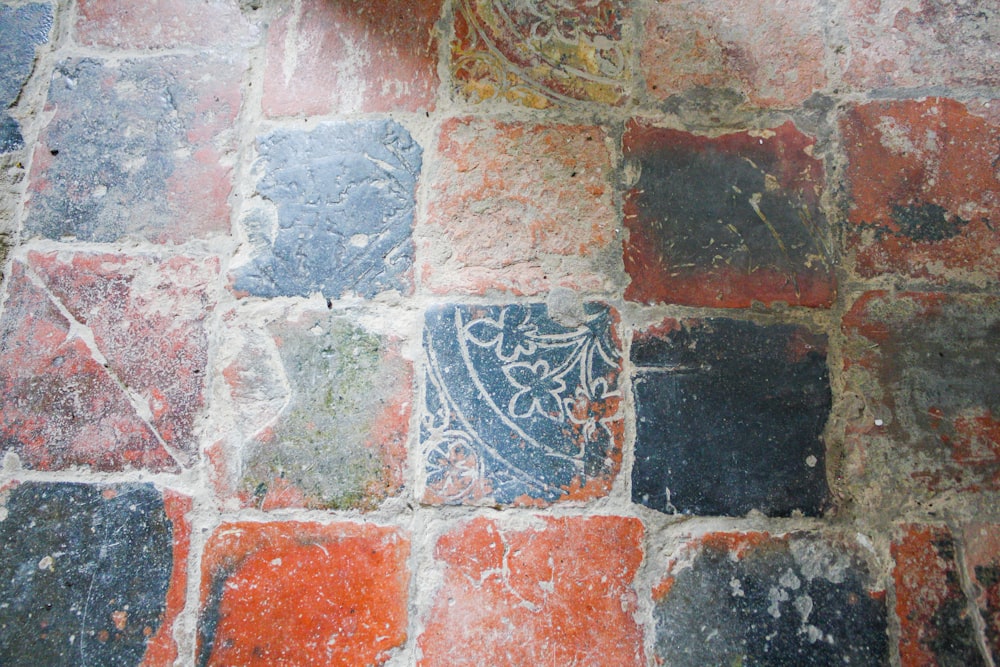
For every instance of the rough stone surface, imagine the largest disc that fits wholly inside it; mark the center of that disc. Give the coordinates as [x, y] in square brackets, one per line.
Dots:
[22, 28]
[754, 599]
[924, 190]
[935, 616]
[294, 593]
[139, 148]
[726, 221]
[336, 212]
[102, 360]
[926, 367]
[336, 437]
[352, 56]
[729, 418]
[518, 207]
[540, 54]
[558, 593]
[90, 575]
[161, 23]
[982, 556]
[920, 43]
[765, 53]
[519, 408]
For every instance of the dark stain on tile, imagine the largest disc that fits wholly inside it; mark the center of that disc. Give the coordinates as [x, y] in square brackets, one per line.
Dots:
[22, 29]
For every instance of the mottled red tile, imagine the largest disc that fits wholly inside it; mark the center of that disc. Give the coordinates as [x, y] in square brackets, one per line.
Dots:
[518, 207]
[354, 56]
[769, 54]
[103, 360]
[936, 623]
[540, 54]
[557, 593]
[926, 367]
[924, 190]
[725, 221]
[295, 593]
[917, 43]
[161, 23]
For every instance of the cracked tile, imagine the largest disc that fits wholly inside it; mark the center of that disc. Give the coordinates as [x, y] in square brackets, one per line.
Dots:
[102, 361]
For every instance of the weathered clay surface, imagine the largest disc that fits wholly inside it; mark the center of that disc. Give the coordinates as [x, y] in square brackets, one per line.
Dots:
[138, 148]
[924, 190]
[754, 599]
[540, 54]
[982, 560]
[726, 221]
[339, 209]
[293, 593]
[352, 56]
[337, 436]
[90, 575]
[162, 23]
[518, 207]
[22, 28]
[559, 593]
[102, 360]
[768, 54]
[729, 418]
[519, 408]
[926, 368]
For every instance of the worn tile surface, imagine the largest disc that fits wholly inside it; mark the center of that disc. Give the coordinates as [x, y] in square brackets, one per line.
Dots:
[927, 366]
[22, 29]
[90, 575]
[137, 148]
[337, 435]
[295, 593]
[161, 23]
[936, 624]
[542, 53]
[726, 221]
[982, 559]
[352, 56]
[102, 360]
[914, 44]
[519, 408]
[753, 599]
[765, 53]
[336, 213]
[519, 207]
[924, 190]
[729, 418]
[558, 593]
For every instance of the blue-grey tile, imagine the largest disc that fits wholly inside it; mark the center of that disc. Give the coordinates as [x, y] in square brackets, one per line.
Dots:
[75, 557]
[519, 408]
[22, 29]
[729, 418]
[344, 196]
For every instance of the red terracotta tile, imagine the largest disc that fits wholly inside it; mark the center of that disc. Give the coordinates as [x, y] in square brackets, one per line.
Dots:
[353, 56]
[925, 192]
[919, 43]
[925, 365]
[518, 207]
[103, 360]
[726, 221]
[936, 625]
[161, 649]
[771, 54]
[559, 593]
[161, 23]
[542, 53]
[303, 594]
